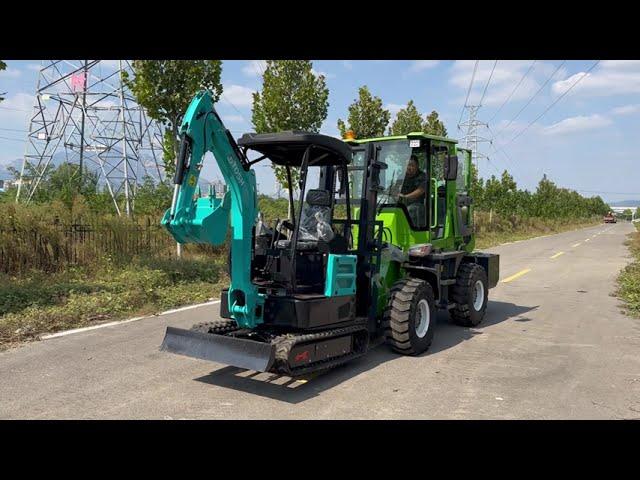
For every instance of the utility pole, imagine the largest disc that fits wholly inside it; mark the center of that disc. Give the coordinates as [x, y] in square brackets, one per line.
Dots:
[472, 137]
[85, 115]
[84, 111]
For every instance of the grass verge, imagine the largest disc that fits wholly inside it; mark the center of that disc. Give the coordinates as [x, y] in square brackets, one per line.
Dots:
[37, 303]
[487, 238]
[629, 278]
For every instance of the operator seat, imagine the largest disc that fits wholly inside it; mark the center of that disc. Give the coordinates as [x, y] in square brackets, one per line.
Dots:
[316, 204]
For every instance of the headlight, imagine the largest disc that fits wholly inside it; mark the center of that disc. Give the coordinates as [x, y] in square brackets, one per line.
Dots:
[421, 250]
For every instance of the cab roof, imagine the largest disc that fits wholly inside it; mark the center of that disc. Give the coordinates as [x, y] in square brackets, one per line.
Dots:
[404, 137]
[287, 148]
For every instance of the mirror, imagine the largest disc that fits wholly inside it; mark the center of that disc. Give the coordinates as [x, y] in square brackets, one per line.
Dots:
[451, 167]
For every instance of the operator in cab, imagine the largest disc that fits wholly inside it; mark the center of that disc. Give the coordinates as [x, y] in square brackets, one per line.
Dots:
[412, 192]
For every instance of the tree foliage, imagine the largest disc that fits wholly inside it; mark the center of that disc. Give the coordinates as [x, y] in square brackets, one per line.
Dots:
[503, 196]
[166, 87]
[407, 120]
[293, 97]
[367, 118]
[434, 126]
[64, 185]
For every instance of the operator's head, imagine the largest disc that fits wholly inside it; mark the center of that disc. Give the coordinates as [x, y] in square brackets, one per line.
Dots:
[412, 166]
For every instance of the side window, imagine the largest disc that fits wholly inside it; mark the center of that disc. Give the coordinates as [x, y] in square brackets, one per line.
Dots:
[439, 153]
[418, 207]
[463, 178]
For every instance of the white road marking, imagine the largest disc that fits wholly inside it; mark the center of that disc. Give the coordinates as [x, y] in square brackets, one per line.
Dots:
[120, 322]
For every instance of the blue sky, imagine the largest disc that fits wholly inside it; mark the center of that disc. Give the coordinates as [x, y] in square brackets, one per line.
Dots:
[588, 141]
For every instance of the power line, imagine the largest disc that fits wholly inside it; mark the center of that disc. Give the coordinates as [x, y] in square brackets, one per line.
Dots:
[513, 91]
[473, 76]
[556, 101]
[488, 82]
[14, 139]
[15, 109]
[531, 99]
[494, 167]
[234, 107]
[14, 130]
[608, 193]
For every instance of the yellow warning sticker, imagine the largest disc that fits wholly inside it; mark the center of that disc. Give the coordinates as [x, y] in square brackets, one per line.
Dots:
[192, 180]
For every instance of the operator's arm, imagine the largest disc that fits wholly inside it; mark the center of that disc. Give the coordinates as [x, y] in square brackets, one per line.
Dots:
[418, 192]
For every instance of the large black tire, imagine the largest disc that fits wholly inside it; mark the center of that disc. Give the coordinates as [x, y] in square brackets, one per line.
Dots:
[401, 321]
[467, 312]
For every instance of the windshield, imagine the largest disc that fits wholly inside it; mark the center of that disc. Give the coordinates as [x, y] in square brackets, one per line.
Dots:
[403, 182]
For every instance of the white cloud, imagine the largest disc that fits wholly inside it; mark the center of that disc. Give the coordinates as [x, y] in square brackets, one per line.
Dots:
[620, 64]
[506, 75]
[394, 108]
[610, 77]
[10, 73]
[347, 64]
[34, 66]
[111, 64]
[15, 110]
[577, 124]
[626, 109]
[419, 65]
[254, 68]
[232, 118]
[324, 74]
[238, 95]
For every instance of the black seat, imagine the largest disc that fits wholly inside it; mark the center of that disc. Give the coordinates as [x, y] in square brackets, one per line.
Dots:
[317, 204]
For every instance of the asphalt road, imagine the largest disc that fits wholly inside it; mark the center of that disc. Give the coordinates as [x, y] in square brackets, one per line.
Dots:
[553, 345]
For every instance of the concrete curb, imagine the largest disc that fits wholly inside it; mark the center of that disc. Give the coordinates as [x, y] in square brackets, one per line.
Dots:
[120, 322]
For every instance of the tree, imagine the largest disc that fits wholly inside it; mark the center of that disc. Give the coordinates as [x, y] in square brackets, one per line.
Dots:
[166, 87]
[407, 120]
[3, 66]
[366, 116]
[434, 126]
[292, 98]
[151, 197]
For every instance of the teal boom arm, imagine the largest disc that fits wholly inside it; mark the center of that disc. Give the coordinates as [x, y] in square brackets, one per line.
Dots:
[205, 220]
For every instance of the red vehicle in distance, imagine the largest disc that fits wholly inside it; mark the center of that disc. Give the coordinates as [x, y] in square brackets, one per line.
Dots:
[610, 218]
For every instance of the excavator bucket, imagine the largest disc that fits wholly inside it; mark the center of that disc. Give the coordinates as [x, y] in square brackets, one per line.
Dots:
[206, 222]
[238, 352]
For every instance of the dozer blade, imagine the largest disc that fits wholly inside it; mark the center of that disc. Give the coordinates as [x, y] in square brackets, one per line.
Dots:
[237, 352]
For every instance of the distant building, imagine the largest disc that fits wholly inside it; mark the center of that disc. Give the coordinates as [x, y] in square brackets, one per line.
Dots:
[7, 184]
[220, 188]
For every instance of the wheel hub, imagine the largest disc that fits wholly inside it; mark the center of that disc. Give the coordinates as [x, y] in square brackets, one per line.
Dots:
[478, 295]
[423, 318]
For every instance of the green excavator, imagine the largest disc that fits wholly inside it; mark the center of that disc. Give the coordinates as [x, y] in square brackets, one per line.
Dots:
[380, 242]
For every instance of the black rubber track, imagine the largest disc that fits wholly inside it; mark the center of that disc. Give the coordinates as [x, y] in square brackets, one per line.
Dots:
[463, 313]
[285, 343]
[400, 313]
[220, 327]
